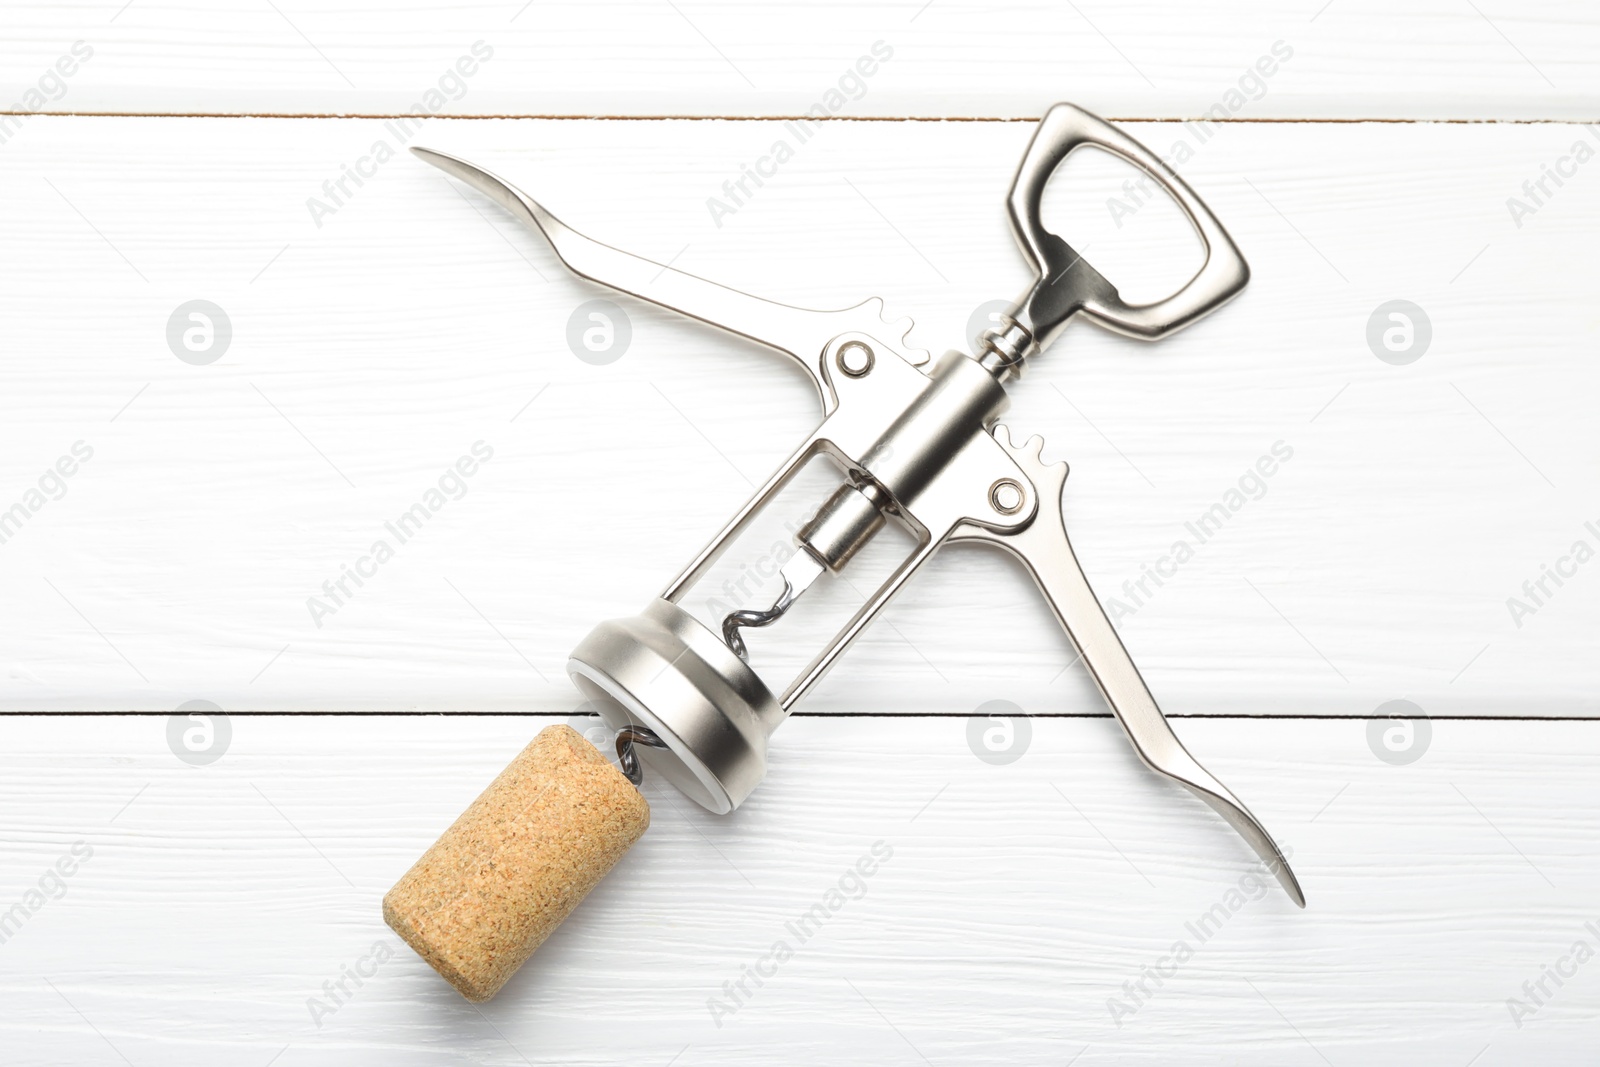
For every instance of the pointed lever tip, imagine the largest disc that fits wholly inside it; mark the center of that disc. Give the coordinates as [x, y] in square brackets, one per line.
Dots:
[1291, 885]
[1200, 782]
[443, 160]
[491, 185]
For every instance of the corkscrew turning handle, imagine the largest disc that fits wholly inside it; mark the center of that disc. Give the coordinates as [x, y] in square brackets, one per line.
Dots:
[1064, 284]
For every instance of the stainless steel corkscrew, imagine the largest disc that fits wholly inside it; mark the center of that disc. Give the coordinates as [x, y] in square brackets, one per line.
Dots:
[916, 442]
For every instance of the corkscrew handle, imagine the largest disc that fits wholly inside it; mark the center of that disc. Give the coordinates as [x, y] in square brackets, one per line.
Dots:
[1064, 284]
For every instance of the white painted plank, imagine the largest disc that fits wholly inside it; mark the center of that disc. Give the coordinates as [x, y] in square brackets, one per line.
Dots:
[1347, 58]
[371, 352]
[1018, 900]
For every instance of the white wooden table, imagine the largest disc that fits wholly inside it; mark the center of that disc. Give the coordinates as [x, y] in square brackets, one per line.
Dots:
[171, 510]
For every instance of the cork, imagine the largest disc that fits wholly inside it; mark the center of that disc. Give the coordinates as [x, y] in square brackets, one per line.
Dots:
[517, 862]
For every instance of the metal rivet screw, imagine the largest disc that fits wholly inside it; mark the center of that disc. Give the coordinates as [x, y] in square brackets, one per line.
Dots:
[1006, 496]
[855, 359]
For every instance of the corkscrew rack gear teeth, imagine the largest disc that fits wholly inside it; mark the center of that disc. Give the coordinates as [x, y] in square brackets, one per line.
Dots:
[916, 442]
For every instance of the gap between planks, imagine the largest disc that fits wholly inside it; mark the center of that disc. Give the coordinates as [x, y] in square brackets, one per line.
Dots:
[1591, 720]
[1231, 120]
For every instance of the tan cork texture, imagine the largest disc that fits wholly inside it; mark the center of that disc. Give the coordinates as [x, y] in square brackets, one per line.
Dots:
[517, 862]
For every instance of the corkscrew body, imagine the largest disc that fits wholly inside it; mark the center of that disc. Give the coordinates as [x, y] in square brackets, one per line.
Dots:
[916, 442]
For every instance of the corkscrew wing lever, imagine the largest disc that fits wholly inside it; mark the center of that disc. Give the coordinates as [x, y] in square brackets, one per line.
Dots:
[1044, 548]
[800, 333]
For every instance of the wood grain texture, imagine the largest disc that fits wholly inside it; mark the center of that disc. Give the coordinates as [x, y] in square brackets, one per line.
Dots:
[1016, 902]
[211, 911]
[1148, 59]
[372, 351]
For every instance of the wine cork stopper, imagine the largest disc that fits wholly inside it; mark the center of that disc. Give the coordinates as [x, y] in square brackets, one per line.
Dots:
[517, 862]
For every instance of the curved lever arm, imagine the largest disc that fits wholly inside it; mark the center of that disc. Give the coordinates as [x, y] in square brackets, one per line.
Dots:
[799, 333]
[1044, 548]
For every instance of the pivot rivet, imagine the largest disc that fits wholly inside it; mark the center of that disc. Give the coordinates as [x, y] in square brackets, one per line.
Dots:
[855, 359]
[1006, 496]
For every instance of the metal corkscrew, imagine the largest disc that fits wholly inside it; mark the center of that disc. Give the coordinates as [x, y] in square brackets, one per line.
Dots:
[916, 442]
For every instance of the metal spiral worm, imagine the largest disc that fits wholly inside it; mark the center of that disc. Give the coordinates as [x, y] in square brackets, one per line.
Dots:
[627, 737]
[731, 624]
